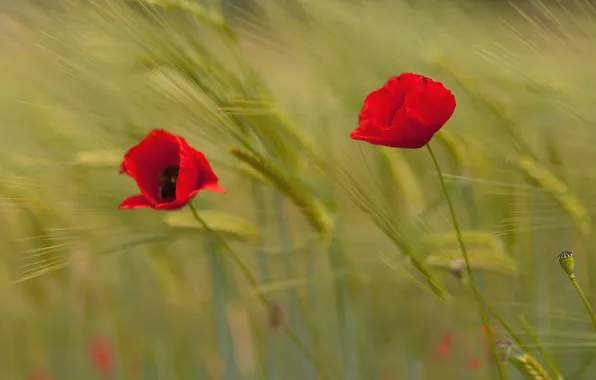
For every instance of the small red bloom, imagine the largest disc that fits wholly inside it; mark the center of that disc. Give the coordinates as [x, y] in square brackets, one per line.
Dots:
[102, 356]
[474, 363]
[168, 171]
[42, 375]
[405, 113]
[443, 349]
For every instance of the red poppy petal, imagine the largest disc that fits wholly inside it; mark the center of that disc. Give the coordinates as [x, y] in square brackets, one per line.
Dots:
[209, 180]
[136, 201]
[175, 204]
[379, 107]
[405, 83]
[189, 172]
[179, 203]
[366, 132]
[407, 133]
[195, 173]
[214, 187]
[144, 161]
[378, 110]
[433, 105]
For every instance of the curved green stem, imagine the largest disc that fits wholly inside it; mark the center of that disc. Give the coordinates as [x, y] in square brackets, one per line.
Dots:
[581, 294]
[254, 283]
[473, 285]
[586, 361]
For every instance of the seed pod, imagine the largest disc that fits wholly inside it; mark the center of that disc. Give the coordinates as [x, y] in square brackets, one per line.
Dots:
[567, 263]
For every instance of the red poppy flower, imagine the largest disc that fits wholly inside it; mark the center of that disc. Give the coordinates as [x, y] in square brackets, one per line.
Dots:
[102, 356]
[168, 171]
[405, 113]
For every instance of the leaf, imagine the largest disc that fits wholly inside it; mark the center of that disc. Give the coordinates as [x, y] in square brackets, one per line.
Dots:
[221, 222]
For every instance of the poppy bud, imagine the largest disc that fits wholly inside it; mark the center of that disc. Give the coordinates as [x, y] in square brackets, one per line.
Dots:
[567, 263]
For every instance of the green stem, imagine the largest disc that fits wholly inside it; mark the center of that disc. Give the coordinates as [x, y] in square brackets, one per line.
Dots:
[584, 299]
[587, 358]
[585, 363]
[479, 298]
[254, 283]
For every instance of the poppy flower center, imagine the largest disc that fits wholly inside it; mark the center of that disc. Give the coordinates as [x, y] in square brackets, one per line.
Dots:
[168, 177]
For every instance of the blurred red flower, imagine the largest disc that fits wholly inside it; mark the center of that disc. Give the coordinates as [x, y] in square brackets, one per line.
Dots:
[41, 375]
[405, 113]
[443, 349]
[102, 356]
[168, 172]
[474, 363]
[445, 346]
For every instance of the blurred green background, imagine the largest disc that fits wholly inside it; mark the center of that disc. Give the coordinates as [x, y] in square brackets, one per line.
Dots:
[330, 228]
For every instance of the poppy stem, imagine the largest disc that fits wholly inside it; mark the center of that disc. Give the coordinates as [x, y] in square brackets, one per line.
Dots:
[254, 283]
[586, 360]
[582, 296]
[473, 285]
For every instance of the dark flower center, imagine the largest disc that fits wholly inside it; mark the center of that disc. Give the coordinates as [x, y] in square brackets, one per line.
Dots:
[167, 178]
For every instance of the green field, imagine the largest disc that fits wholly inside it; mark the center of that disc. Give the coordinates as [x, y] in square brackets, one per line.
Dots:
[327, 258]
